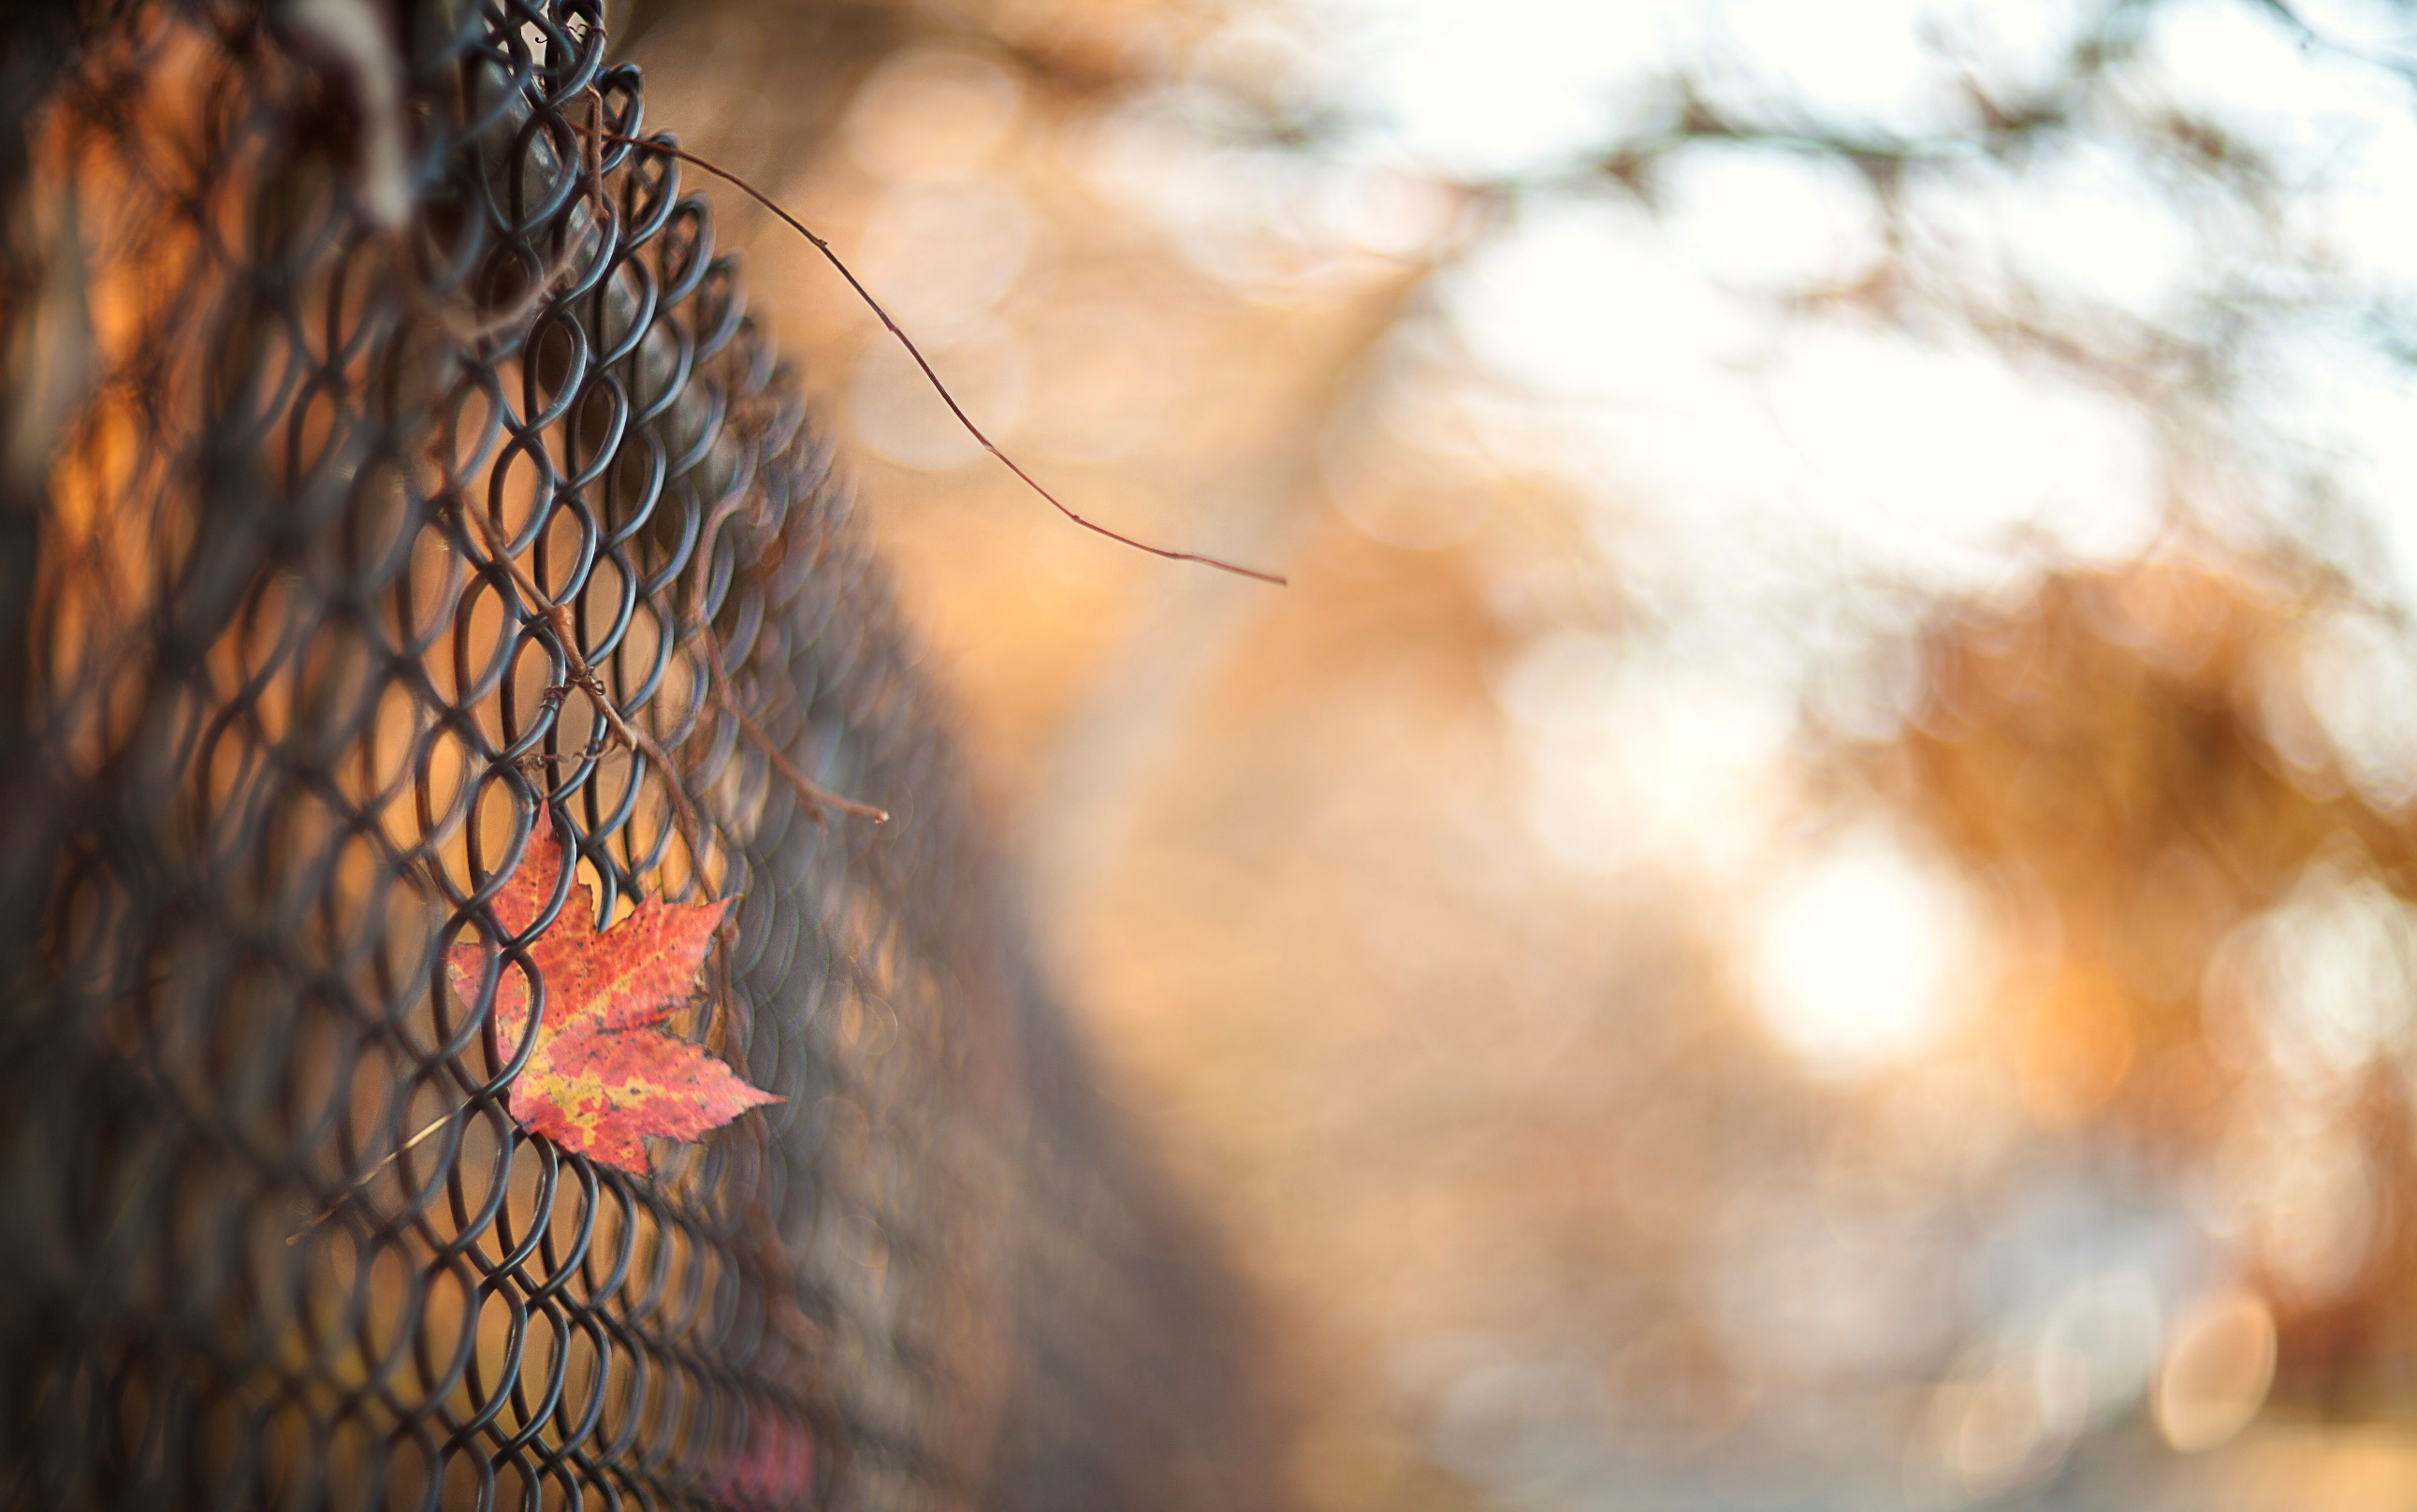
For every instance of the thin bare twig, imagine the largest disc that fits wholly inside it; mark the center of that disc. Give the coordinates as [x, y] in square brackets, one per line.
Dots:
[934, 378]
[812, 793]
[817, 798]
[584, 678]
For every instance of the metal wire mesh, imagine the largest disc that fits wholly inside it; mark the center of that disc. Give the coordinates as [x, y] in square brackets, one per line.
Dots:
[306, 486]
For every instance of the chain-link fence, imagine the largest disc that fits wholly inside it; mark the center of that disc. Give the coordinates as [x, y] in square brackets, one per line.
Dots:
[392, 475]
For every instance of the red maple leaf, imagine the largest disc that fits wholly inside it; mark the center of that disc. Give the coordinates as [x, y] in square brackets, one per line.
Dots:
[605, 1073]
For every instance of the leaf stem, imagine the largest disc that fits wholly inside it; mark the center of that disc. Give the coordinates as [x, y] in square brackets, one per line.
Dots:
[367, 1176]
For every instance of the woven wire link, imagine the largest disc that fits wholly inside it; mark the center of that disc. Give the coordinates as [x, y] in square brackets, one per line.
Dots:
[273, 1238]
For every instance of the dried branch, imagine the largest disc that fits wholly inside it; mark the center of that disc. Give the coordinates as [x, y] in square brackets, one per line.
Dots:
[932, 377]
[583, 676]
[817, 798]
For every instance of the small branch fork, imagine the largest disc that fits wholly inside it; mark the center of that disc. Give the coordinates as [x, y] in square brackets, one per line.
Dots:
[579, 673]
[817, 798]
[614, 729]
[938, 387]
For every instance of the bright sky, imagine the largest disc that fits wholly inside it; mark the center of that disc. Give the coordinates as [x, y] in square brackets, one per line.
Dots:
[1733, 449]
[1897, 454]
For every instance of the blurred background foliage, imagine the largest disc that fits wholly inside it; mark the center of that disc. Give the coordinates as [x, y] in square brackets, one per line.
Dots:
[1806, 903]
